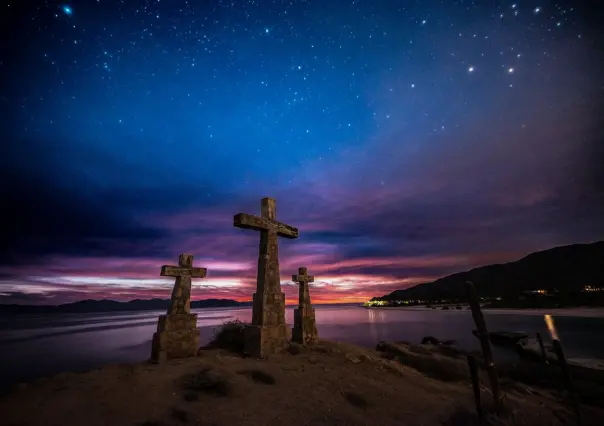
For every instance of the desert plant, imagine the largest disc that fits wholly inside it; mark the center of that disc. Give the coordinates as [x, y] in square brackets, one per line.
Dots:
[230, 336]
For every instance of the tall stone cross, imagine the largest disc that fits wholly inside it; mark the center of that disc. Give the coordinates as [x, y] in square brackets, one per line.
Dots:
[269, 332]
[305, 326]
[177, 335]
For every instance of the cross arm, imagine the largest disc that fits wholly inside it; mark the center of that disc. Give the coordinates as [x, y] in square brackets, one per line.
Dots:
[177, 271]
[305, 278]
[248, 221]
[286, 231]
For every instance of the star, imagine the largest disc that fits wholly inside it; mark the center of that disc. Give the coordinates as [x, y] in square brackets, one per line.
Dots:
[510, 70]
[67, 10]
[537, 10]
[471, 69]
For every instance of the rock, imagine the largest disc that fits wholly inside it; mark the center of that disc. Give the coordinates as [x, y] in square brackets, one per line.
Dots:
[352, 358]
[529, 349]
[590, 363]
[321, 348]
[365, 357]
[505, 338]
[431, 340]
[434, 365]
[294, 348]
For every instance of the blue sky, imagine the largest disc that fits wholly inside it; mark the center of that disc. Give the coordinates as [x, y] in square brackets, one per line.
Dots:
[405, 142]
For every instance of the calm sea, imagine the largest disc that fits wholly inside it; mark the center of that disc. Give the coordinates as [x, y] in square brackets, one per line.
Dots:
[42, 345]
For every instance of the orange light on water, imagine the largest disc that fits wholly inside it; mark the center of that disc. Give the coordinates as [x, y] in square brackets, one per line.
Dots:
[551, 327]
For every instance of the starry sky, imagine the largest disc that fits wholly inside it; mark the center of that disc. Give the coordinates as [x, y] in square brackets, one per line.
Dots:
[406, 140]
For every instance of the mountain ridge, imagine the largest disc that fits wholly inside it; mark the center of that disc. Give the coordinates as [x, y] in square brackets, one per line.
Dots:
[107, 305]
[566, 269]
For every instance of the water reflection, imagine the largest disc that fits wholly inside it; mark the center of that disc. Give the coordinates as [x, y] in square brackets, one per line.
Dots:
[375, 316]
[42, 345]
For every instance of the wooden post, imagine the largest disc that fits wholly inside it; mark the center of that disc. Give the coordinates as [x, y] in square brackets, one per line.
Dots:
[476, 387]
[542, 347]
[483, 335]
[568, 382]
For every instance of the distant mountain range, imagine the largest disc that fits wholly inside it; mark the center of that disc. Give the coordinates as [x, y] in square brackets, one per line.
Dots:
[89, 306]
[567, 269]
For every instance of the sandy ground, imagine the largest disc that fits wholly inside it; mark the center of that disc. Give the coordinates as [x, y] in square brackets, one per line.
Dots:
[329, 384]
[561, 312]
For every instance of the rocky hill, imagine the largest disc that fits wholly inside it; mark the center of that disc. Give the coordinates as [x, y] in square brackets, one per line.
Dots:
[567, 269]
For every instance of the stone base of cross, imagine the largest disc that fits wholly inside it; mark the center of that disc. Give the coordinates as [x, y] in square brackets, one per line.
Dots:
[177, 335]
[269, 333]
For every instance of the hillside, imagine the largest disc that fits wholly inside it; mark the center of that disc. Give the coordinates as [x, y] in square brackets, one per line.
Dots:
[326, 384]
[88, 306]
[567, 269]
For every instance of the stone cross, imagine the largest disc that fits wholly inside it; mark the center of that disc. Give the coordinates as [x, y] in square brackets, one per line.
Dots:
[180, 303]
[305, 326]
[177, 335]
[269, 332]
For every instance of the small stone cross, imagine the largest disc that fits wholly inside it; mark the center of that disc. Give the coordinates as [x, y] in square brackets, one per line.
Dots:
[180, 302]
[305, 326]
[303, 279]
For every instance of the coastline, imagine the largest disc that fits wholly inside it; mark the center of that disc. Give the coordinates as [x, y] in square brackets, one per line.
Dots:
[597, 312]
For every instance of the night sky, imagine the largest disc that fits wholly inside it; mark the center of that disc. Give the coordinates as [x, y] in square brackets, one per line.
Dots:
[405, 139]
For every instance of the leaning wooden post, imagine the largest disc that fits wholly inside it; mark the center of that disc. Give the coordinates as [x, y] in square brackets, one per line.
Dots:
[483, 335]
[542, 347]
[568, 381]
[476, 387]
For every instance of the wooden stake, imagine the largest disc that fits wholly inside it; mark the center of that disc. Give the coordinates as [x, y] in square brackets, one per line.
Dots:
[476, 387]
[568, 382]
[543, 353]
[483, 335]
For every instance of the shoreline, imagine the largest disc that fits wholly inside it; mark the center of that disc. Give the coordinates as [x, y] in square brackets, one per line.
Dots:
[596, 312]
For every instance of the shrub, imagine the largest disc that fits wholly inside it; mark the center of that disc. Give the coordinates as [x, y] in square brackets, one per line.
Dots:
[209, 381]
[259, 376]
[230, 336]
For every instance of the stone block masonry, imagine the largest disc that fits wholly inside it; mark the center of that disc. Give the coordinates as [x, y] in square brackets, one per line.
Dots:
[269, 332]
[177, 335]
[305, 326]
